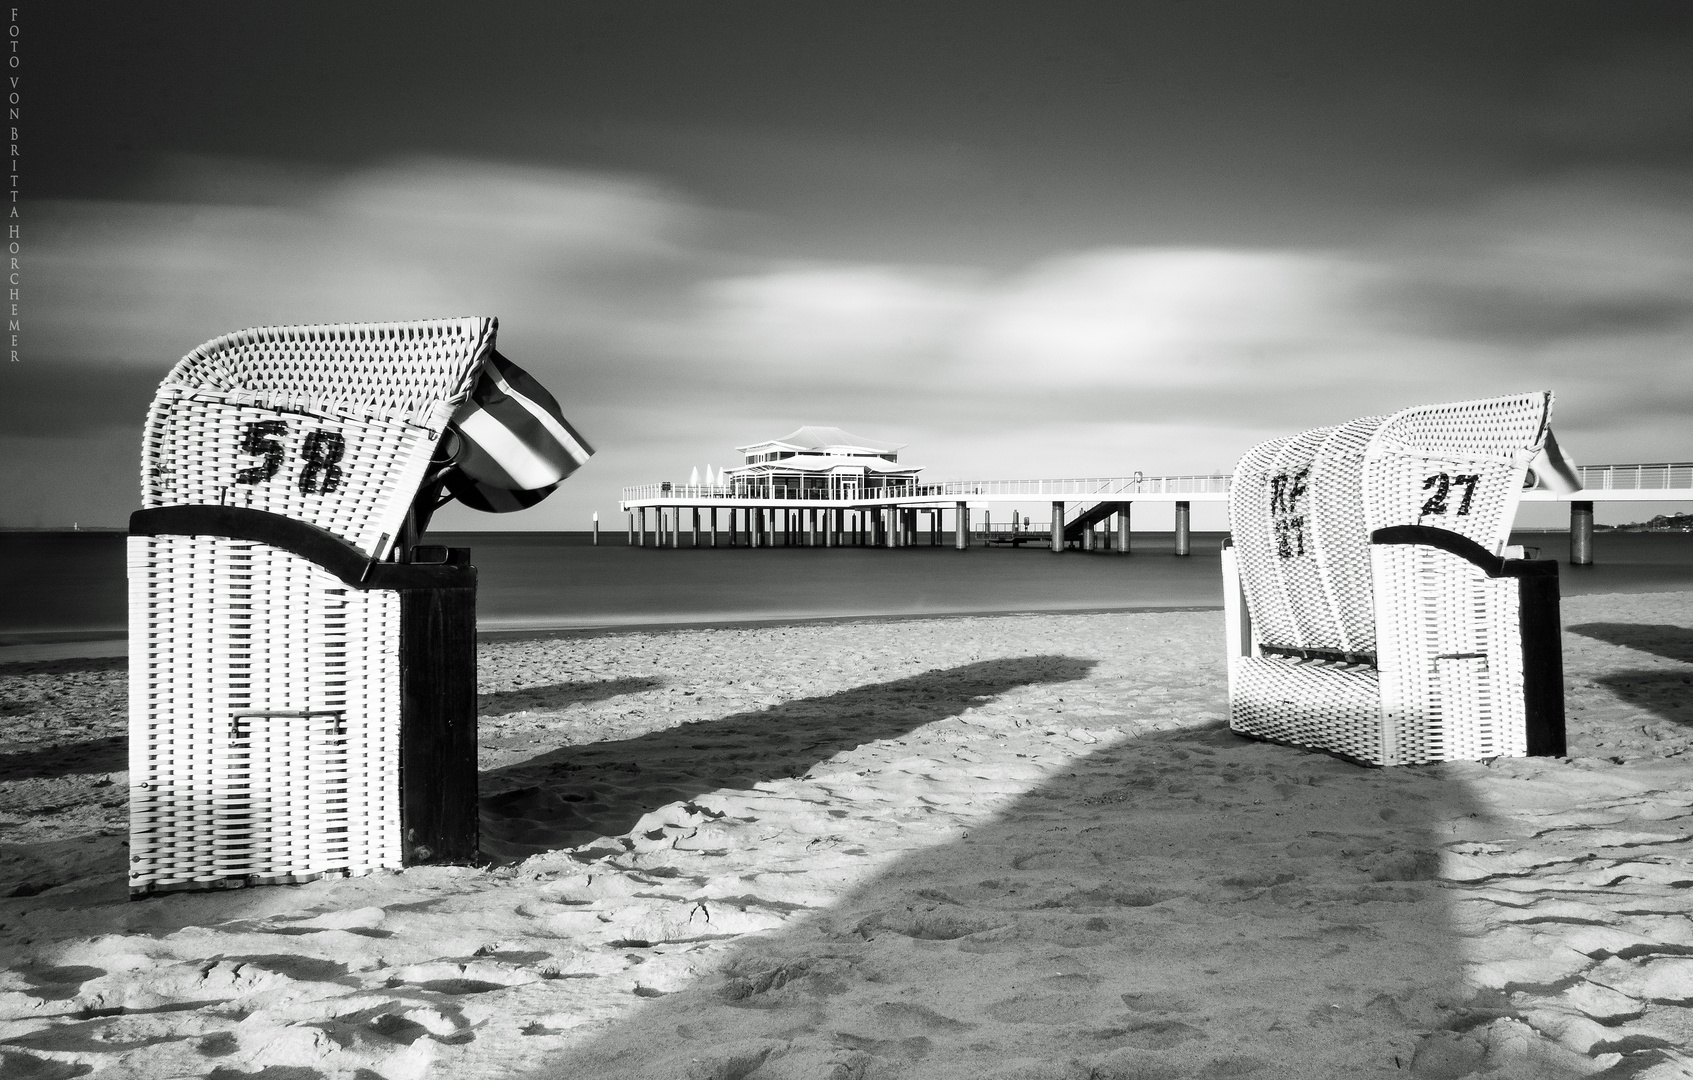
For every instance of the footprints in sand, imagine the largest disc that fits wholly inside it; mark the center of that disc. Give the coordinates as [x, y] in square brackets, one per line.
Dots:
[893, 851]
[574, 793]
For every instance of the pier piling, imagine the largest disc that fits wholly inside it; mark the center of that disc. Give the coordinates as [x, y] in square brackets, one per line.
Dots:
[1183, 516]
[1581, 533]
[1057, 526]
[963, 527]
[1123, 527]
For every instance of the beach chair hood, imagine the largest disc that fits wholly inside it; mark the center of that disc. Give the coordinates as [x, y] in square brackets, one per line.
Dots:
[1374, 609]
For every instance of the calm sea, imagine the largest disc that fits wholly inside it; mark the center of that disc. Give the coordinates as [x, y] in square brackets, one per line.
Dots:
[72, 583]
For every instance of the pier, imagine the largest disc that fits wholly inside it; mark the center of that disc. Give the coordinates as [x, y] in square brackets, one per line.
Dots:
[1087, 514]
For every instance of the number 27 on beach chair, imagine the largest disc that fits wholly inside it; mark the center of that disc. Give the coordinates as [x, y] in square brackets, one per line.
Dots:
[1373, 608]
[302, 672]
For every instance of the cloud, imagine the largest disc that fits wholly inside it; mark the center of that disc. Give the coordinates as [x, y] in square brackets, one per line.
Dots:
[836, 323]
[1584, 286]
[1165, 317]
[143, 282]
[668, 342]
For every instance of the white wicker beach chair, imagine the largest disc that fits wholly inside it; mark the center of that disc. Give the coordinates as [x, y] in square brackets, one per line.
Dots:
[298, 705]
[1373, 609]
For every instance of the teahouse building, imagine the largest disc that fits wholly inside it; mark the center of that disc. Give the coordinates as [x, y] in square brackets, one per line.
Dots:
[822, 462]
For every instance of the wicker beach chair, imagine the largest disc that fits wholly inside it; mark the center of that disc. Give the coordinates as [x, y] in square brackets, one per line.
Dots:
[300, 702]
[1373, 608]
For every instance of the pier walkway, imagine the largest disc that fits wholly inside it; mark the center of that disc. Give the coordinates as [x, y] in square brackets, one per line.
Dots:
[1094, 511]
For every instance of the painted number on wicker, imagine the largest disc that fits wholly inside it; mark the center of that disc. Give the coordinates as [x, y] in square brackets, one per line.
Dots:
[1442, 484]
[1286, 515]
[322, 450]
[261, 441]
[321, 473]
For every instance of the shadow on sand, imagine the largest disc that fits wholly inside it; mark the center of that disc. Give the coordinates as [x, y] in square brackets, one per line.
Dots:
[558, 696]
[1182, 904]
[576, 794]
[107, 755]
[1668, 641]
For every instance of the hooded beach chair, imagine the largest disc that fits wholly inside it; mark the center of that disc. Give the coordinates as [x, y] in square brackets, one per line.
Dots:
[302, 673]
[1373, 608]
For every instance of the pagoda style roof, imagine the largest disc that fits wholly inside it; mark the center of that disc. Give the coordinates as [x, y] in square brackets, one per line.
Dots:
[824, 440]
[817, 463]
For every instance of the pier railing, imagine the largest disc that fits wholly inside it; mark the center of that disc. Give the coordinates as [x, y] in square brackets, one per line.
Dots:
[1092, 488]
[1670, 476]
[1667, 476]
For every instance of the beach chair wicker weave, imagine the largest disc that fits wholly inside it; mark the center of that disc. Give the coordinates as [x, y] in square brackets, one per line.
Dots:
[274, 654]
[1372, 610]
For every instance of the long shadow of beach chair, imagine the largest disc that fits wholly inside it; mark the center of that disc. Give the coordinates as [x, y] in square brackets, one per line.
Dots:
[278, 657]
[1373, 608]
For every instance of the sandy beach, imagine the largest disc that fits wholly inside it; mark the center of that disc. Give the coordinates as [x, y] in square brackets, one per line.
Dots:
[1021, 846]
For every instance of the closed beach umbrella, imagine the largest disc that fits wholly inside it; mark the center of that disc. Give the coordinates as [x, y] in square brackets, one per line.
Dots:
[516, 445]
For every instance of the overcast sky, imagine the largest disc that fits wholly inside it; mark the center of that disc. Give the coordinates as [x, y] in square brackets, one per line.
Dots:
[1036, 239]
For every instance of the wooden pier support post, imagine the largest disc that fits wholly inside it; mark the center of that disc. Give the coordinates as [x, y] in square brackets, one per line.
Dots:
[596, 528]
[1058, 526]
[696, 526]
[676, 527]
[641, 536]
[963, 527]
[631, 528]
[1183, 517]
[1581, 533]
[1123, 528]
[713, 513]
[755, 525]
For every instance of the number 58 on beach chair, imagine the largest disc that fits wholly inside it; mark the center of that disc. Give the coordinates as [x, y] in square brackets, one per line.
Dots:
[302, 672]
[1373, 608]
